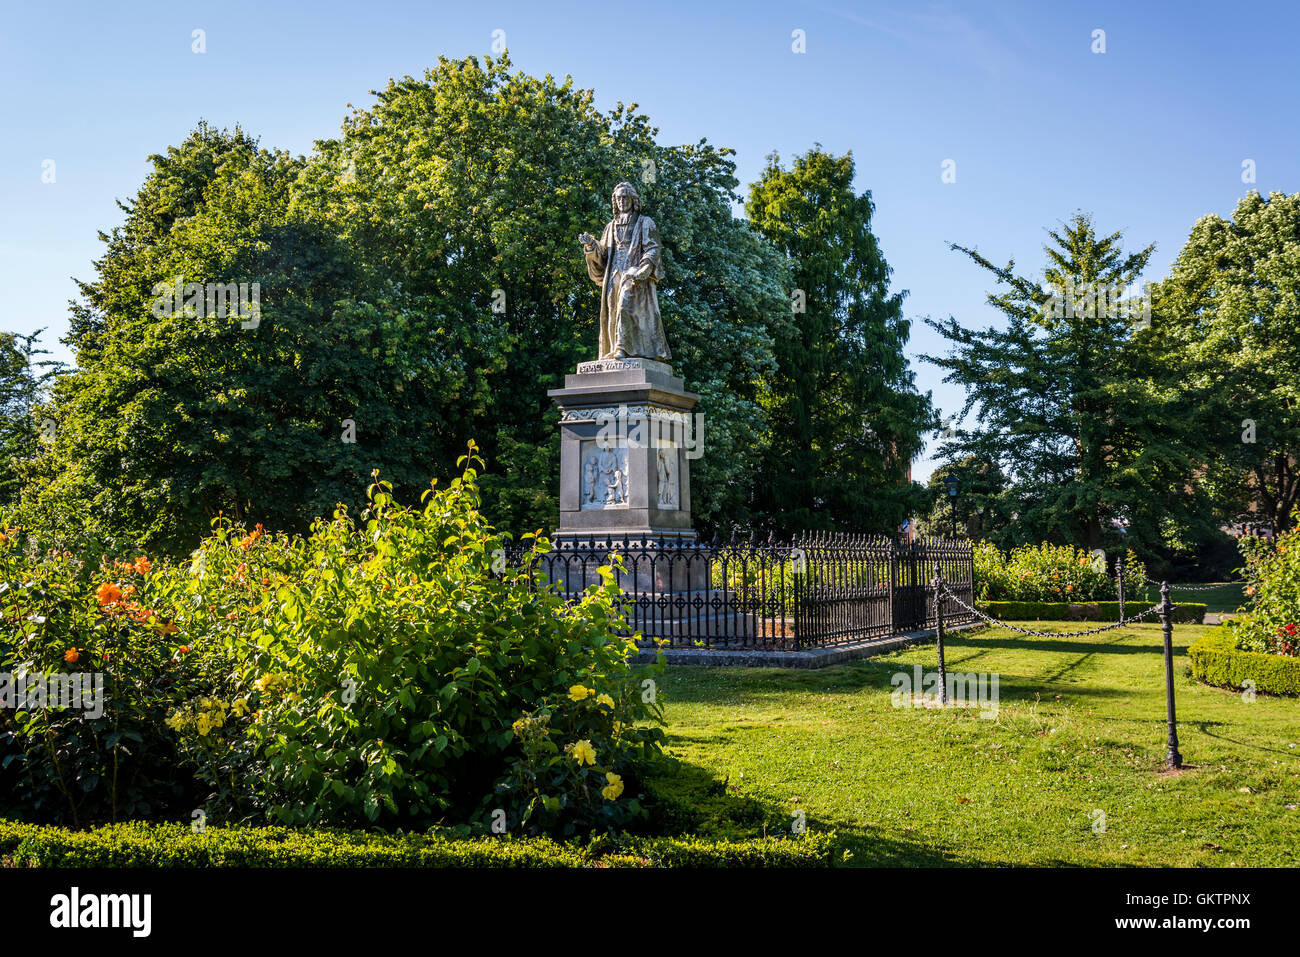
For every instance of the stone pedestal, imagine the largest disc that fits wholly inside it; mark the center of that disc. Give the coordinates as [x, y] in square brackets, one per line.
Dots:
[627, 437]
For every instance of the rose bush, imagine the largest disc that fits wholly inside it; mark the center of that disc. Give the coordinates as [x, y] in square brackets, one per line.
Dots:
[1050, 573]
[109, 757]
[390, 669]
[1272, 622]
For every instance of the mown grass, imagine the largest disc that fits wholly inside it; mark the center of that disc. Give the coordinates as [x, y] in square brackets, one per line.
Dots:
[1080, 729]
[1224, 597]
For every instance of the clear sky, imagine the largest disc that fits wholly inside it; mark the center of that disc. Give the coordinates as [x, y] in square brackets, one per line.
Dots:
[1147, 136]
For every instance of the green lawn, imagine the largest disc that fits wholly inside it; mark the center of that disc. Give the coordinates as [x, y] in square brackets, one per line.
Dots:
[1081, 728]
[1225, 597]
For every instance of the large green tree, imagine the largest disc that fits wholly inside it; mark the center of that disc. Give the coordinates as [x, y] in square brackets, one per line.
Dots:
[421, 285]
[846, 416]
[464, 192]
[179, 410]
[1083, 424]
[1227, 328]
[23, 380]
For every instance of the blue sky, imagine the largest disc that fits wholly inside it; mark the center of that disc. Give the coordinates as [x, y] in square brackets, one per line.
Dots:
[1147, 136]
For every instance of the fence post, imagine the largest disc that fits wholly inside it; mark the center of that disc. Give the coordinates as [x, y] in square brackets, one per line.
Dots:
[893, 586]
[938, 632]
[1119, 583]
[1173, 759]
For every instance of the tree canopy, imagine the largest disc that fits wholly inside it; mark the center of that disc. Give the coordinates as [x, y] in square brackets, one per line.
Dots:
[1089, 437]
[1228, 327]
[846, 416]
[420, 285]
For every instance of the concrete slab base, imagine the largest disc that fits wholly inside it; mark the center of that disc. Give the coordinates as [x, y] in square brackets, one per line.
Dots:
[811, 658]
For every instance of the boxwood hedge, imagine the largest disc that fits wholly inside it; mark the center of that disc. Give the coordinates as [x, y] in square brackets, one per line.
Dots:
[142, 844]
[1192, 613]
[1216, 660]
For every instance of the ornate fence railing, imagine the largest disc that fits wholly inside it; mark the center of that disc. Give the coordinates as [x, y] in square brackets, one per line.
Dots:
[816, 590]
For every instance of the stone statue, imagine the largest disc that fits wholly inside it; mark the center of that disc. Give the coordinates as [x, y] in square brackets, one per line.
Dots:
[626, 263]
[610, 467]
[589, 482]
[665, 463]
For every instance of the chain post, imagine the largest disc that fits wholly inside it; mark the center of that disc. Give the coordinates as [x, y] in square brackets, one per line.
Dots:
[1173, 759]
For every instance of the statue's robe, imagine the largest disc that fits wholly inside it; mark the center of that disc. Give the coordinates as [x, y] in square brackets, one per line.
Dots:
[630, 324]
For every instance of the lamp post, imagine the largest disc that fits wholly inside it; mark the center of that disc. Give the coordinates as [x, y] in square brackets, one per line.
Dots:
[953, 484]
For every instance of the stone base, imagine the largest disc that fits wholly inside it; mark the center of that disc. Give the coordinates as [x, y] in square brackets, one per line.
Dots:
[627, 437]
[808, 658]
[623, 365]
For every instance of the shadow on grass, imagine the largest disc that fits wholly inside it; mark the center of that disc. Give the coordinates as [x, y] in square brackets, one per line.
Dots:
[690, 800]
[1204, 726]
[1063, 646]
[734, 687]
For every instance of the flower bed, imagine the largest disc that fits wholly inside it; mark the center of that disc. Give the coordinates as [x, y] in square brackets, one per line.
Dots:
[1272, 624]
[1051, 573]
[382, 670]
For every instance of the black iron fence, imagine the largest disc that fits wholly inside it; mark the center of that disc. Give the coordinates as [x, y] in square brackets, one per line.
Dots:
[816, 590]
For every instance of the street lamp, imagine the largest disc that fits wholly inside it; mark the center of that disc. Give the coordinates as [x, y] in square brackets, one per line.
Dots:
[953, 483]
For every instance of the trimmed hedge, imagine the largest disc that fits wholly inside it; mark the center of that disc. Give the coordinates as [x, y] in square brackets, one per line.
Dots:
[1187, 613]
[1216, 660]
[142, 844]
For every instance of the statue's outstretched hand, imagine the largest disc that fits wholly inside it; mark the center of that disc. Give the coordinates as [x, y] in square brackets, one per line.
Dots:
[588, 241]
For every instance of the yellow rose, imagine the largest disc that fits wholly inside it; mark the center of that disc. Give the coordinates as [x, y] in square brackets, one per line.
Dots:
[578, 693]
[583, 752]
[239, 707]
[614, 788]
[606, 700]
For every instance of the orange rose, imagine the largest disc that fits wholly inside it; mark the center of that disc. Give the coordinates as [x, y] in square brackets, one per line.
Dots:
[140, 614]
[185, 649]
[72, 656]
[108, 594]
[142, 565]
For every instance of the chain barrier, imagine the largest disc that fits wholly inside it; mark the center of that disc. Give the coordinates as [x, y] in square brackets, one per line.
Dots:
[1152, 581]
[1046, 634]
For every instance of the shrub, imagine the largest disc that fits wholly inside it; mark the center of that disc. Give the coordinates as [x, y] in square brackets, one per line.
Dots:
[388, 670]
[172, 845]
[1272, 625]
[1216, 660]
[1049, 572]
[1254, 552]
[62, 615]
[397, 672]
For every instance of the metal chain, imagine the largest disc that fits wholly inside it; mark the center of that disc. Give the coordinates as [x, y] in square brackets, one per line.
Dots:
[1152, 581]
[1046, 634]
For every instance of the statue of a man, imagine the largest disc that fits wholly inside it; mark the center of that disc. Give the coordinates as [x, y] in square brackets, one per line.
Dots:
[626, 263]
